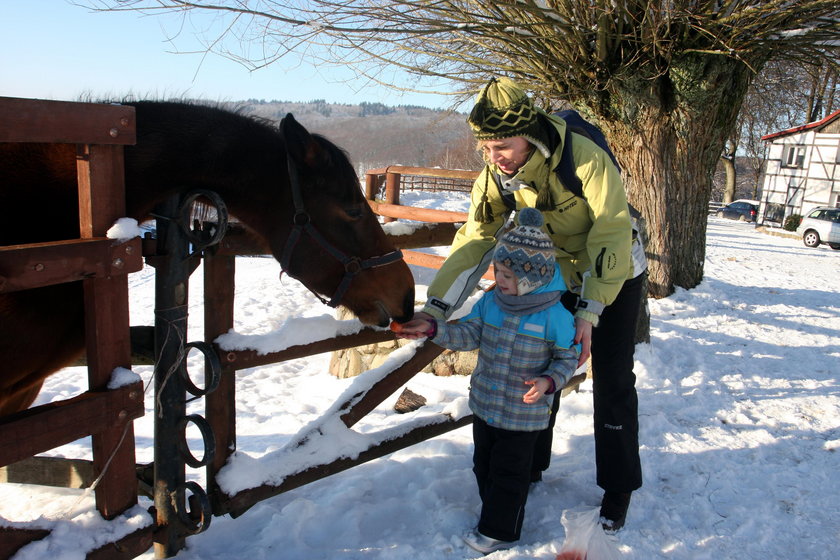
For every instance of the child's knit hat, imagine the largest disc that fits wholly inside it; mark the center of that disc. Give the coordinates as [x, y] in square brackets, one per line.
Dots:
[528, 251]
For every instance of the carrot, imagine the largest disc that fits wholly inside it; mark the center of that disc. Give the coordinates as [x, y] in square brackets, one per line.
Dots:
[396, 327]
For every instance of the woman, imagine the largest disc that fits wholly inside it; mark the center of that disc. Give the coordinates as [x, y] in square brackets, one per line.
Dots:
[594, 243]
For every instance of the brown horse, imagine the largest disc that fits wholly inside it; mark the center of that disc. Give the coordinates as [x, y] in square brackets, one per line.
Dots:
[338, 248]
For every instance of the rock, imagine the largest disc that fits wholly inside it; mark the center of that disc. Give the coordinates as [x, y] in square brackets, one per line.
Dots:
[409, 401]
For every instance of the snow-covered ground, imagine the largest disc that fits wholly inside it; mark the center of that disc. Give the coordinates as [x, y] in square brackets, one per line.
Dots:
[740, 430]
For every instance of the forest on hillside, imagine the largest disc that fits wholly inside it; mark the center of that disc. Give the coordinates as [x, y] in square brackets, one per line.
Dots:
[377, 135]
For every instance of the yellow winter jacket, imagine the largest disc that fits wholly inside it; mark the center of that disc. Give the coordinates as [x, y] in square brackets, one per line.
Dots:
[592, 234]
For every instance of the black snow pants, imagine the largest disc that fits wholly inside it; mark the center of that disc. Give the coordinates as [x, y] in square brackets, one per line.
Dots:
[616, 405]
[502, 467]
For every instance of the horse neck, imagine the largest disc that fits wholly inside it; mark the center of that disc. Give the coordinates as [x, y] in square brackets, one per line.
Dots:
[245, 166]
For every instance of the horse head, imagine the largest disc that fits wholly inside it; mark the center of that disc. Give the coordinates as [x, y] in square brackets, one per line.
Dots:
[335, 244]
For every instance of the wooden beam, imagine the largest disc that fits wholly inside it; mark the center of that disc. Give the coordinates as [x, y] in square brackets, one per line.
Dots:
[130, 546]
[44, 427]
[360, 405]
[34, 265]
[435, 261]
[50, 471]
[239, 503]
[38, 120]
[433, 235]
[426, 172]
[13, 539]
[243, 359]
[99, 171]
[417, 214]
[219, 288]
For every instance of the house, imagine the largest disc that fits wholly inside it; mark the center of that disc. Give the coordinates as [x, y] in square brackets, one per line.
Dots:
[803, 169]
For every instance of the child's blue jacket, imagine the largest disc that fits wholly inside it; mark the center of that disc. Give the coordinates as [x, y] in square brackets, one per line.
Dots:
[511, 350]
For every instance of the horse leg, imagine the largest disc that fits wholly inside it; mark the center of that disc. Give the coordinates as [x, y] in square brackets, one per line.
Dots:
[41, 331]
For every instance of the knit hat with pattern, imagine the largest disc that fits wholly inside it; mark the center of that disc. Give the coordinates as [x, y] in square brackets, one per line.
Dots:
[503, 110]
[528, 252]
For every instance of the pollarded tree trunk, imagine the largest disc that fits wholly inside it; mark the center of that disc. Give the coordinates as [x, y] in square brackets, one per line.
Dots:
[668, 138]
[730, 187]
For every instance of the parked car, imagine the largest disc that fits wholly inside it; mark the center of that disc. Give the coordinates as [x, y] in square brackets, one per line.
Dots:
[821, 225]
[743, 210]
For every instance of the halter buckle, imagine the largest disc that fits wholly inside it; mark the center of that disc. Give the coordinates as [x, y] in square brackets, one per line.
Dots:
[353, 266]
[301, 218]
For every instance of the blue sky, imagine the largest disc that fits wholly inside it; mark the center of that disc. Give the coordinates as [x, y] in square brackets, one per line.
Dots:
[52, 49]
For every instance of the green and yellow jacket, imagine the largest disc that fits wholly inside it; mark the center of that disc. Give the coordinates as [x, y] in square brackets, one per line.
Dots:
[592, 234]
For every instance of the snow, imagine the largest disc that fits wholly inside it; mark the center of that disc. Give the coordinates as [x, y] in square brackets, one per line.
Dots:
[739, 414]
[124, 229]
[121, 377]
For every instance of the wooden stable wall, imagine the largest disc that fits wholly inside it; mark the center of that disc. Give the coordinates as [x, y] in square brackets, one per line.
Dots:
[99, 133]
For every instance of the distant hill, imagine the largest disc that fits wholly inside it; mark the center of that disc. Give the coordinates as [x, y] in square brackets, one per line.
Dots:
[377, 135]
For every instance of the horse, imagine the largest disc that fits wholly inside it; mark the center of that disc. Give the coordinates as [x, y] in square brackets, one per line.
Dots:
[295, 192]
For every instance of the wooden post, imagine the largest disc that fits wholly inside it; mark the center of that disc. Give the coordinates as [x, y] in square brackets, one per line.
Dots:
[101, 203]
[219, 287]
[392, 190]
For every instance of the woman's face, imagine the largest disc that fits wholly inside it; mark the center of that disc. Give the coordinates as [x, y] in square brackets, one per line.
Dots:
[505, 279]
[508, 154]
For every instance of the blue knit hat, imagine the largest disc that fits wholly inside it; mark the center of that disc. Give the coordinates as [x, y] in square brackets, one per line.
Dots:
[528, 251]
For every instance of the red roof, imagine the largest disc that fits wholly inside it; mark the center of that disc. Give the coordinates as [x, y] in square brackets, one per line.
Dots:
[804, 127]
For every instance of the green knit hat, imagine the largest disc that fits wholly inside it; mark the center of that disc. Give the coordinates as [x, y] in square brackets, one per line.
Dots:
[503, 110]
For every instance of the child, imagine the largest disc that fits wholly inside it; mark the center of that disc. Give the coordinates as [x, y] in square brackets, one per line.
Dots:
[524, 337]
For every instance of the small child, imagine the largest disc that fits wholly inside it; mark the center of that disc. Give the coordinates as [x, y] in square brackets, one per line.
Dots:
[526, 352]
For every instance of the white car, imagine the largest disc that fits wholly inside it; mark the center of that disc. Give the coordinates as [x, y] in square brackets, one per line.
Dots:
[821, 225]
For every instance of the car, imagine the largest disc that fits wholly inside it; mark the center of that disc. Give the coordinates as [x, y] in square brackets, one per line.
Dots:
[821, 225]
[743, 210]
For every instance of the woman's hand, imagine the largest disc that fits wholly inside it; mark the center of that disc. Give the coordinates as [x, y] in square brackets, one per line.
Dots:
[539, 385]
[583, 336]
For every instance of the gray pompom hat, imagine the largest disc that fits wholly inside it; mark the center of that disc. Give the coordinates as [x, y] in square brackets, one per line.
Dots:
[528, 251]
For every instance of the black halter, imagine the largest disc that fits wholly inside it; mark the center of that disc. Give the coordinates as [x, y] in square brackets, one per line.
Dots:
[303, 224]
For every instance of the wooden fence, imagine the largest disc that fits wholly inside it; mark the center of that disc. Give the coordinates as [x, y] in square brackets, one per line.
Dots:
[99, 133]
[180, 508]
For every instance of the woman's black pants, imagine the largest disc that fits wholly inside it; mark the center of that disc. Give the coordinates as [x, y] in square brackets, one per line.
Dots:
[615, 400]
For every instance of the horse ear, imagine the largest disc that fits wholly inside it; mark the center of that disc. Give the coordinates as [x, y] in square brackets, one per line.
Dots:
[303, 149]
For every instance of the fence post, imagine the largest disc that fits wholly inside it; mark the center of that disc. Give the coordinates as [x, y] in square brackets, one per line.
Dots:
[392, 191]
[219, 286]
[101, 202]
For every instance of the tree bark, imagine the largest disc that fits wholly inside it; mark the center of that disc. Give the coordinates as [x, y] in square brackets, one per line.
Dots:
[667, 134]
[729, 188]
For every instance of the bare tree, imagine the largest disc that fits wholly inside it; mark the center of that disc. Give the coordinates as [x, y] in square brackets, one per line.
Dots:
[665, 79]
[783, 95]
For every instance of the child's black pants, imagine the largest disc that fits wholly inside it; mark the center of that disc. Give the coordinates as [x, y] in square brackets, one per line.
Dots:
[502, 467]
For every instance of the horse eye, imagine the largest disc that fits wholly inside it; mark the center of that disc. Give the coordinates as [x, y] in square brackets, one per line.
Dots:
[354, 212]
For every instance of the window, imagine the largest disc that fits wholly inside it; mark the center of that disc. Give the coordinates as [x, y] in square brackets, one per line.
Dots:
[794, 156]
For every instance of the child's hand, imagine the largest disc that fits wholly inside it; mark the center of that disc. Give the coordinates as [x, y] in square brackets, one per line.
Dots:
[539, 385]
[416, 328]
